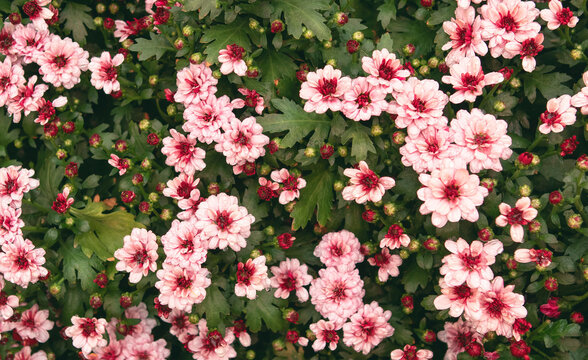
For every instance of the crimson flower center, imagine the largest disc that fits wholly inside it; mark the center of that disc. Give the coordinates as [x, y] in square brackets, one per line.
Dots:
[515, 216]
[386, 71]
[495, 308]
[141, 257]
[470, 261]
[530, 47]
[367, 327]
[288, 282]
[419, 105]
[564, 16]
[481, 139]
[464, 35]
[183, 282]
[508, 23]
[88, 328]
[451, 192]
[327, 87]
[60, 61]
[223, 219]
[291, 183]
[470, 81]
[395, 231]
[244, 273]
[464, 339]
[242, 139]
[369, 181]
[463, 291]
[22, 262]
[111, 73]
[32, 9]
[549, 117]
[213, 340]
[338, 291]
[185, 149]
[184, 189]
[363, 100]
[10, 185]
[381, 259]
[236, 52]
[330, 336]
[433, 147]
[4, 81]
[3, 298]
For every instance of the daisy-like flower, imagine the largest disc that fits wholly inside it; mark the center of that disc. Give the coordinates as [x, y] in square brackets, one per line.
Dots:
[363, 100]
[336, 294]
[211, 344]
[27, 99]
[482, 139]
[182, 153]
[468, 79]
[459, 336]
[231, 59]
[105, 73]
[387, 263]
[385, 71]
[500, 308]
[29, 42]
[62, 62]
[26, 354]
[184, 244]
[465, 32]
[124, 29]
[138, 255]
[291, 185]
[252, 99]
[365, 185]
[290, 276]
[46, 109]
[410, 352]
[181, 186]
[10, 224]
[558, 115]
[367, 328]
[144, 347]
[426, 151]
[34, 324]
[251, 277]
[205, 118]
[268, 189]
[223, 222]
[86, 333]
[38, 13]
[240, 331]
[242, 141]
[458, 299]
[516, 217]
[190, 205]
[339, 249]
[557, 15]
[451, 194]
[63, 201]
[7, 303]
[326, 333]
[14, 183]
[21, 263]
[120, 163]
[182, 287]
[324, 89]
[395, 237]
[11, 80]
[195, 83]
[580, 100]
[181, 327]
[527, 49]
[540, 257]
[469, 264]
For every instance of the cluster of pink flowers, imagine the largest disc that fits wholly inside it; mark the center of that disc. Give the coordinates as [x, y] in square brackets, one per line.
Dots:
[31, 327]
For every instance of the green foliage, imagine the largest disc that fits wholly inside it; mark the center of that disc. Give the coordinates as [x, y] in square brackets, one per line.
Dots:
[298, 13]
[318, 194]
[214, 306]
[219, 36]
[77, 266]
[76, 20]
[361, 143]
[147, 48]
[387, 12]
[264, 308]
[206, 8]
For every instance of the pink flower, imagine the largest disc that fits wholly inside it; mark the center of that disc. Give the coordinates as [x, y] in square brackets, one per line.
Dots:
[450, 194]
[367, 328]
[466, 3]
[465, 31]
[105, 73]
[291, 185]
[557, 15]
[365, 185]
[468, 79]
[580, 100]
[195, 83]
[37, 13]
[86, 333]
[182, 287]
[339, 249]
[190, 205]
[63, 202]
[205, 118]
[420, 103]
[541, 257]
[144, 347]
[252, 99]
[181, 327]
[385, 71]
[29, 42]
[182, 153]
[527, 49]
[469, 264]
[231, 59]
[251, 277]
[183, 244]
[10, 224]
[363, 100]
[46, 109]
[458, 336]
[500, 308]
[11, 80]
[426, 151]
[25, 354]
[7, 303]
[34, 324]
[516, 217]
[326, 333]
[62, 62]
[21, 263]
[181, 186]
[411, 352]
[290, 276]
[483, 139]
[27, 99]
[458, 299]
[223, 222]
[551, 309]
[211, 345]
[387, 263]
[558, 115]
[14, 183]
[121, 164]
[240, 331]
[337, 294]
[138, 255]
[324, 89]
[242, 141]
[124, 29]
[395, 237]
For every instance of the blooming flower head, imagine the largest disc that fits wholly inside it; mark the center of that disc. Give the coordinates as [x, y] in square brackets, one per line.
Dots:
[395, 237]
[251, 277]
[195, 83]
[500, 308]
[540, 257]
[183, 244]
[365, 185]
[290, 276]
[458, 299]
[465, 31]
[527, 49]
[580, 100]
[21, 263]
[62, 62]
[26, 354]
[105, 73]
[181, 327]
[120, 163]
[551, 308]
[367, 328]
[205, 118]
[182, 153]
[252, 99]
[46, 109]
[291, 185]
[516, 217]
[363, 100]
[86, 333]
[557, 15]
[27, 99]
[425, 152]
[38, 13]
[182, 287]
[211, 344]
[34, 324]
[468, 79]
[268, 189]
[29, 42]
[458, 336]
[242, 141]
[558, 115]
[410, 352]
[387, 263]
[11, 80]
[144, 347]
[337, 294]
[14, 183]
[231, 59]
[181, 187]
[339, 249]
[138, 255]
[63, 201]
[10, 224]
[326, 333]
[384, 70]
[324, 89]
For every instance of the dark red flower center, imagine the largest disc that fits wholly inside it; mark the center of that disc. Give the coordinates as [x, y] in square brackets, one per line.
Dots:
[395, 231]
[495, 308]
[32, 9]
[3, 298]
[464, 35]
[463, 291]
[60, 61]
[330, 336]
[369, 180]
[515, 216]
[550, 118]
[452, 192]
[481, 139]
[223, 219]
[88, 327]
[288, 282]
[242, 139]
[327, 87]
[470, 261]
[244, 273]
[141, 257]
[470, 81]
[419, 105]
[367, 327]
[363, 100]
[564, 16]
[110, 73]
[213, 340]
[291, 183]
[10, 185]
[530, 47]
[235, 52]
[22, 262]
[184, 189]
[381, 259]
[183, 282]
[386, 71]
[508, 23]
[185, 149]
[338, 291]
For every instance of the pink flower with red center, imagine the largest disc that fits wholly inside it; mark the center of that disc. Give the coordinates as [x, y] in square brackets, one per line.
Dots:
[336, 294]
[385, 71]
[27, 99]
[459, 300]
[267, 189]
[242, 141]
[138, 255]
[121, 164]
[469, 264]
[11, 80]
[450, 194]
[410, 352]
[468, 79]
[144, 347]
[62, 62]
[184, 245]
[182, 153]
[540, 257]
[63, 201]
[465, 32]
[124, 29]
[105, 73]
[7, 303]
[46, 110]
[425, 152]
[395, 237]
[527, 49]
[190, 205]
[240, 331]
[339, 249]
[507, 21]
[580, 100]
[365, 185]
[459, 336]
[231, 59]
[251, 277]
[29, 42]
[551, 309]
[223, 222]
[182, 287]
[557, 15]
[558, 115]
[211, 344]
[252, 99]
[37, 13]
[181, 327]
[195, 83]
[34, 324]
[290, 276]
[482, 138]
[205, 118]
[419, 104]
[500, 308]
[10, 223]
[21, 263]
[363, 100]
[326, 334]
[181, 187]
[291, 185]
[87, 333]
[26, 354]
[324, 89]
[14, 183]
[367, 328]
[387, 263]
[516, 217]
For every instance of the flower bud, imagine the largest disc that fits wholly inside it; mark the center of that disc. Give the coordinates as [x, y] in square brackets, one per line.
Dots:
[582, 162]
[404, 254]
[196, 58]
[515, 83]
[398, 137]
[338, 186]
[415, 63]
[431, 244]
[187, 30]
[389, 209]
[369, 216]
[525, 190]
[290, 315]
[193, 318]
[290, 206]
[511, 264]
[414, 246]
[577, 317]
[95, 140]
[429, 336]
[308, 34]
[342, 150]
[326, 151]
[551, 284]
[146, 164]
[126, 300]
[217, 74]
[576, 54]
[277, 26]
[253, 24]
[14, 18]
[536, 203]
[426, 3]
[332, 62]
[61, 154]
[250, 355]
[341, 18]
[171, 109]
[574, 221]
[377, 130]
[166, 214]
[310, 152]
[98, 21]
[95, 301]
[213, 188]
[55, 289]
[408, 50]
[144, 207]
[278, 345]
[101, 280]
[352, 46]
[499, 106]
[424, 70]
[358, 36]
[555, 197]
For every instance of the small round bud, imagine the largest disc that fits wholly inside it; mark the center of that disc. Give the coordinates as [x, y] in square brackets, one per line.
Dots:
[153, 80]
[250, 355]
[358, 36]
[574, 221]
[217, 74]
[326, 151]
[429, 336]
[389, 209]
[499, 106]
[536, 203]
[408, 50]
[98, 21]
[377, 130]
[146, 164]
[404, 254]
[525, 190]
[308, 34]
[95, 301]
[269, 231]
[144, 207]
[341, 18]
[171, 109]
[68, 143]
[277, 26]
[187, 30]
[398, 137]
[352, 46]
[126, 300]
[414, 246]
[576, 54]
[166, 214]
[415, 63]
[443, 68]
[290, 206]
[14, 18]
[310, 152]
[61, 154]
[582, 163]
[179, 44]
[515, 83]
[278, 345]
[338, 186]
[433, 62]
[113, 8]
[213, 188]
[196, 58]
[432, 244]
[332, 62]
[424, 70]
[551, 284]
[253, 24]
[577, 317]
[342, 150]
[555, 197]
[127, 43]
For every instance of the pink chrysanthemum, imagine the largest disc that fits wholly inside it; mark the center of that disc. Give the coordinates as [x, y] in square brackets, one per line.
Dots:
[363, 100]
[181, 186]
[181, 327]
[410, 352]
[395, 237]
[27, 99]
[34, 324]
[46, 109]
[252, 99]
[326, 333]
[125, 29]
[242, 141]
[540, 257]
[182, 287]
[190, 205]
[337, 294]
[29, 42]
[291, 185]
[387, 263]
[557, 15]
[62, 202]
[62, 62]
[120, 163]
[211, 344]
[516, 217]
[500, 308]
[38, 13]
[385, 71]
[10, 224]
[465, 31]
[367, 328]
[14, 183]
[468, 79]
[26, 354]
[290, 276]
[580, 100]
[195, 83]
[21, 263]
[365, 185]
[7, 303]
[11, 80]
[138, 255]
[251, 277]
[339, 249]
[324, 90]
[86, 333]
[458, 336]
[184, 245]
[527, 49]
[205, 118]
[231, 59]
[558, 115]
[182, 153]
[469, 264]
[145, 347]
[426, 151]
[459, 300]
[105, 73]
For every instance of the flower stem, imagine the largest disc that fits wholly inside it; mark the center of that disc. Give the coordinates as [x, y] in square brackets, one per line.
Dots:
[36, 206]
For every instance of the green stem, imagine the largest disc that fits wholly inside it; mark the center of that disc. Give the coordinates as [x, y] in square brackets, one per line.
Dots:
[536, 142]
[36, 206]
[38, 229]
[540, 352]
[163, 115]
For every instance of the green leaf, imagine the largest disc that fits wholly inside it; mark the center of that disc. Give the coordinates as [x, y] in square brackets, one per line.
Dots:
[549, 85]
[157, 46]
[414, 277]
[77, 266]
[215, 306]
[6, 137]
[76, 20]
[387, 12]
[361, 142]
[406, 31]
[91, 181]
[385, 42]
[275, 65]
[263, 308]
[298, 13]
[219, 36]
[425, 260]
[318, 194]
[255, 206]
[440, 15]
[204, 7]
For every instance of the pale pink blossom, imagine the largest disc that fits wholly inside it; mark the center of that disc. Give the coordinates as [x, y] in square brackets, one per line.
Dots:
[46, 109]
[7, 303]
[326, 333]
[252, 99]
[14, 183]
[26, 354]
[145, 347]
[410, 352]
[558, 115]
[21, 263]
[468, 79]
[465, 31]
[145, 325]
[363, 100]
[516, 217]
[62, 62]
[395, 238]
[527, 49]
[11, 80]
[324, 89]
[367, 328]
[242, 141]
[182, 287]
[458, 336]
[138, 256]
[211, 344]
[500, 308]
[195, 83]
[86, 333]
[205, 118]
[10, 223]
[120, 163]
[231, 59]
[182, 153]
[557, 15]
[63, 202]
[223, 222]
[240, 331]
[29, 42]
[385, 71]
[34, 324]
[426, 151]
[112, 351]
[124, 29]
[38, 13]
[291, 185]
[290, 276]
[580, 100]
[183, 244]
[469, 264]
[181, 186]
[105, 73]
[540, 257]
[365, 185]
[336, 294]
[27, 99]
[181, 327]
[252, 277]
[339, 249]
[387, 263]
[190, 205]
[466, 3]
[459, 300]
